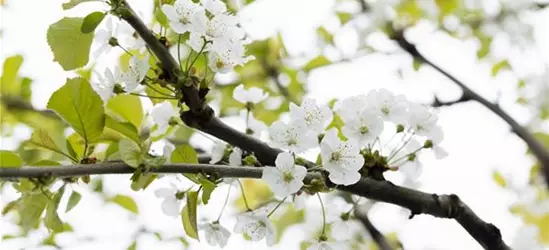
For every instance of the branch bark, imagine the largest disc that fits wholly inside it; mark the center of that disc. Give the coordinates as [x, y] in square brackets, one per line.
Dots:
[535, 146]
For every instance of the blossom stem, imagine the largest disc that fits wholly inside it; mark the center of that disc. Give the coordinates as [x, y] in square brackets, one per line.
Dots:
[393, 154]
[158, 91]
[179, 51]
[197, 56]
[405, 156]
[244, 196]
[323, 215]
[277, 206]
[125, 50]
[224, 204]
[155, 97]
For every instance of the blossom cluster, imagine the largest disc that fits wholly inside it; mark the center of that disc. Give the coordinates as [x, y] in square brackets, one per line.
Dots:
[211, 29]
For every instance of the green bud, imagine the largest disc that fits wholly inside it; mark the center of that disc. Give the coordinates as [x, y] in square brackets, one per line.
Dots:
[411, 157]
[322, 238]
[345, 216]
[400, 128]
[428, 144]
[249, 160]
[249, 106]
[118, 89]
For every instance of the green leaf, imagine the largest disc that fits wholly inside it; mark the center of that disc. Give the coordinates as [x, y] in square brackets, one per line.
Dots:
[543, 138]
[52, 220]
[31, 208]
[72, 3]
[81, 107]
[207, 188]
[316, 62]
[70, 47]
[130, 152]
[8, 81]
[503, 64]
[143, 181]
[125, 128]
[344, 17]
[126, 202]
[73, 201]
[288, 218]
[188, 215]
[485, 43]
[91, 22]
[9, 159]
[10, 206]
[325, 34]
[409, 10]
[184, 154]
[447, 7]
[42, 138]
[133, 246]
[161, 18]
[127, 107]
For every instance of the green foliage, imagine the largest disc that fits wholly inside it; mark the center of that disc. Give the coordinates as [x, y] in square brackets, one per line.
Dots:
[72, 3]
[125, 128]
[30, 208]
[9, 159]
[66, 34]
[184, 154]
[41, 138]
[188, 215]
[74, 199]
[130, 153]
[497, 67]
[257, 193]
[8, 81]
[410, 11]
[81, 107]
[52, 220]
[499, 179]
[125, 202]
[207, 187]
[91, 22]
[128, 108]
[316, 62]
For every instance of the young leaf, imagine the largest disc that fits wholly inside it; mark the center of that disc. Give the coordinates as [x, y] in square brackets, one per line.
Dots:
[41, 138]
[9, 159]
[8, 84]
[499, 179]
[125, 128]
[81, 107]
[127, 107]
[188, 215]
[52, 220]
[184, 154]
[207, 188]
[73, 201]
[496, 68]
[91, 22]
[31, 208]
[143, 181]
[70, 47]
[316, 62]
[130, 152]
[126, 202]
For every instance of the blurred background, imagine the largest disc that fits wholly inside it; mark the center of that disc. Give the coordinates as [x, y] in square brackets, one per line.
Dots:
[324, 49]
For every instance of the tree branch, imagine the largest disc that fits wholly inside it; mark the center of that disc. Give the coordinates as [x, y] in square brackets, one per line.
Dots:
[13, 103]
[437, 103]
[535, 146]
[380, 240]
[447, 206]
[122, 168]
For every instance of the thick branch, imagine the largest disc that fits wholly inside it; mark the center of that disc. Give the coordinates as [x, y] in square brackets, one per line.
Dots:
[378, 237]
[438, 103]
[535, 146]
[122, 168]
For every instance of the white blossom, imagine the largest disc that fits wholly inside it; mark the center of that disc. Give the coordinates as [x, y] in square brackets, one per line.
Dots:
[171, 205]
[235, 159]
[105, 85]
[316, 117]
[222, 60]
[251, 95]
[257, 225]
[136, 72]
[221, 30]
[342, 159]
[214, 6]
[423, 120]
[215, 234]
[103, 38]
[350, 108]
[218, 152]
[344, 229]
[286, 178]
[389, 107]
[181, 15]
[322, 245]
[367, 126]
[300, 200]
[167, 151]
[293, 136]
[163, 114]
[255, 127]
[411, 167]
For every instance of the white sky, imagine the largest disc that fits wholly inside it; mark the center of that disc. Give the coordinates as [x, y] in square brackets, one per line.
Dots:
[477, 140]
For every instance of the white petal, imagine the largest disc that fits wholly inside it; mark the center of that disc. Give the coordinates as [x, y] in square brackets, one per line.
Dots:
[170, 12]
[284, 161]
[164, 192]
[343, 177]
[235, 158]
[170, 206]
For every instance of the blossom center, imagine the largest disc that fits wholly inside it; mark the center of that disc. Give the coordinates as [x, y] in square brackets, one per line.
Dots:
[385, 110]
[287, 177]
[364, 130]
[336, 156]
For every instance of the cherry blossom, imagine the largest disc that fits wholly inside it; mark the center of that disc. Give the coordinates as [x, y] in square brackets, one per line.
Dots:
[171, 205]
[215, 234]
[286, 178]
[136, 72]
[342, 159]
[181, 15]
[257, 225]
[164, 114]
[251, 95]
[366, 127]
[316, 117]
[293, 136]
